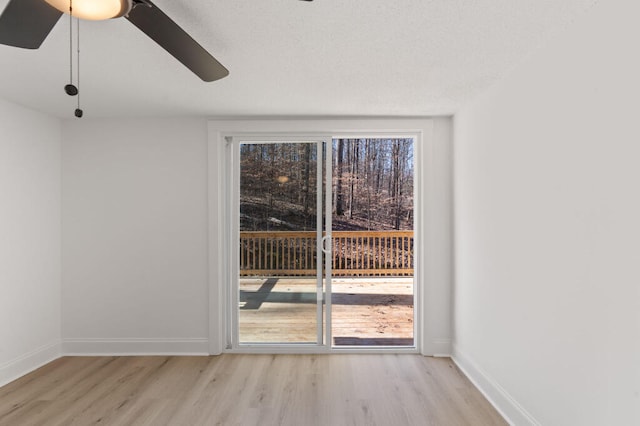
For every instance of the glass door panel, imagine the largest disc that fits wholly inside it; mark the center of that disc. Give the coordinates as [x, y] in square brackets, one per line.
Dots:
[280, 281]
[373, 243]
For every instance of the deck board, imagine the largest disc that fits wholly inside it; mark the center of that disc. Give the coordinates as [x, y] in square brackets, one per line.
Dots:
[366, 311]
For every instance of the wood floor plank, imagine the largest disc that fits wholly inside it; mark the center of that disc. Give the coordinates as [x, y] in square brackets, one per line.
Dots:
[230, 389]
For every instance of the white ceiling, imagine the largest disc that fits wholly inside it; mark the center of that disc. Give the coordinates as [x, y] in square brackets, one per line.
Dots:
[290, 57]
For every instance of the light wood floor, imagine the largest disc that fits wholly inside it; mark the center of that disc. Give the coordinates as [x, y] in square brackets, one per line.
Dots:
[300, 390]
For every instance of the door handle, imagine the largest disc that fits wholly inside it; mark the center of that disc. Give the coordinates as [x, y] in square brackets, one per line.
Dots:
[326, 250]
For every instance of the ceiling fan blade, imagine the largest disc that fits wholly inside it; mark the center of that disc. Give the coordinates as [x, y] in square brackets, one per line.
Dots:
[26, 23]
[154, 23]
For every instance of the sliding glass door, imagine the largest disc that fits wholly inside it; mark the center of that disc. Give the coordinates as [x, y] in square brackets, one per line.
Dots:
[287, 195]
[281, 241]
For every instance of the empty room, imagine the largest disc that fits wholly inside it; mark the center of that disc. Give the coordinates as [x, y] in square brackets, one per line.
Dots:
[290, 212]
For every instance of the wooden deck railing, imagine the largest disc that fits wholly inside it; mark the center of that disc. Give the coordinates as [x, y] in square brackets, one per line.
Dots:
[354, 253]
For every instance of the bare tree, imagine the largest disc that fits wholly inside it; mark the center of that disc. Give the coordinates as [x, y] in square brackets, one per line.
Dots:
[338, 176]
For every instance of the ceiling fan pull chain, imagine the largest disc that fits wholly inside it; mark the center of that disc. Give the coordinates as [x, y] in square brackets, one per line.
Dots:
[78, 111]
[70, 89]
[70, 41]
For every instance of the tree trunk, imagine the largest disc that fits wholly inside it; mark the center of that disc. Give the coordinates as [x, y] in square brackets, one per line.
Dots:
[306, 175]
[396, 196]
[339, 168]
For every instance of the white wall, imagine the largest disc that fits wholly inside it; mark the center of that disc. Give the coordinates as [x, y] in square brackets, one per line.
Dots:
[135, 236]
[547, 200]
[29, 240]
[438, 260]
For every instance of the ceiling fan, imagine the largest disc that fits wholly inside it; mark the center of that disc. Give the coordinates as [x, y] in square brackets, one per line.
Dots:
[26, 24]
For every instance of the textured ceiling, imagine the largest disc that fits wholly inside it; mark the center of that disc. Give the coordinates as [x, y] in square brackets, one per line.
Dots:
[289, 57]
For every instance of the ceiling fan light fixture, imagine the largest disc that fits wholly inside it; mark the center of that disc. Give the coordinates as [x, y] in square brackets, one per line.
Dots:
[94, 10]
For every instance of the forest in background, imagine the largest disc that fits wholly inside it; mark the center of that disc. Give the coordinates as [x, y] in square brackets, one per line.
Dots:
[372, 185]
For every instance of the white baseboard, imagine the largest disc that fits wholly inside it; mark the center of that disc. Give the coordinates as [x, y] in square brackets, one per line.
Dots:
[25, 364]
[135, 346]
[506, 405]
